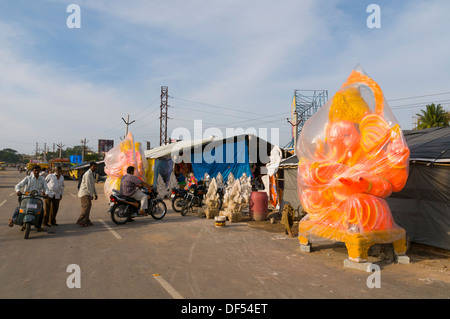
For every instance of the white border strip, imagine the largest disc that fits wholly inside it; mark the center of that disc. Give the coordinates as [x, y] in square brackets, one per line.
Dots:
[110, 229]
[3, 203]
[167, 287]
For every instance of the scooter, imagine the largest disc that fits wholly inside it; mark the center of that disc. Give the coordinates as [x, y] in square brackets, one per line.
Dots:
[30, 212]
[123, 208]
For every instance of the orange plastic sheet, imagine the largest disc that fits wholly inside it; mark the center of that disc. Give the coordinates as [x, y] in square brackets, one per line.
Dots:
[352, 155]
[117, 160]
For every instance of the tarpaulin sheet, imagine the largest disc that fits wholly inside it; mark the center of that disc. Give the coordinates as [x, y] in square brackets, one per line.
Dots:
[422, 208]
[149, 173]
[221, 157]
[290, 187]
[429, 144]
[76, 159]
[163, 167]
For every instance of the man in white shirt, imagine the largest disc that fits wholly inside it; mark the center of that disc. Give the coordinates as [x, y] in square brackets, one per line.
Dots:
[55, 183]
[86, 193]
[30, 183]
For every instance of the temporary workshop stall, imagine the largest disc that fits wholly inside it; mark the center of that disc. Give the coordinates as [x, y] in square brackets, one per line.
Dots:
[239, 154]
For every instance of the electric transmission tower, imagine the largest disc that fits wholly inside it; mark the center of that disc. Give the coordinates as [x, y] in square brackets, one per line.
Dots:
[83, 152]
[163, 116]
[304, 105]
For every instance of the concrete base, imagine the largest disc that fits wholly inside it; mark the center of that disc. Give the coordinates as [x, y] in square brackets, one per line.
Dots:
[305, 248]
[402, 259]
[364, 266]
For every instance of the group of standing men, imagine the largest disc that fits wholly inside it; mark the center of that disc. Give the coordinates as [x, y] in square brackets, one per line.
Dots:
[51, 188]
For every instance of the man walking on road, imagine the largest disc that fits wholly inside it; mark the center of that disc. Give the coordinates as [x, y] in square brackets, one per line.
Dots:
[55, 183]
[86, 193]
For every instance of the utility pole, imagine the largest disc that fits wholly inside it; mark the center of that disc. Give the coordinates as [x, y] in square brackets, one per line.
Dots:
[37, 151]
[163, 116]
[60, 146]
[127, 123]
[295, 125]
[83, 144]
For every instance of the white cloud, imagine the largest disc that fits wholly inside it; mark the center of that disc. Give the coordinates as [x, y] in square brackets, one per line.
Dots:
[42, 104]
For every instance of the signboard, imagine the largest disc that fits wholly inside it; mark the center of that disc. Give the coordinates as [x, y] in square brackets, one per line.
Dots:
[105, 145]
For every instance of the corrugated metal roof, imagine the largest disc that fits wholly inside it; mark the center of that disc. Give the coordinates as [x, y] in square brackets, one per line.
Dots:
[290, 161]
[166, 150]
[174, 148]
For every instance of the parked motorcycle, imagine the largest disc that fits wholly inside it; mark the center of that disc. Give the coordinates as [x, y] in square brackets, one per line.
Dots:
[178, 198]
[123, 208]
[179, 195]
[30, 211]
[191, 198]
[194, 197]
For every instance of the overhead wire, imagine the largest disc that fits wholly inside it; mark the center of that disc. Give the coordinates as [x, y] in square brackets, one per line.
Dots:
[416, 97]
[418, 104]
[248, 120]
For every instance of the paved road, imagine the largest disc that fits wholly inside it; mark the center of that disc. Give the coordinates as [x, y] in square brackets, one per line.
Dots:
[180, 257]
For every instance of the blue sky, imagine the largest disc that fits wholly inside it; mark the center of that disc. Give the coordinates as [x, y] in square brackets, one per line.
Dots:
[229, 63]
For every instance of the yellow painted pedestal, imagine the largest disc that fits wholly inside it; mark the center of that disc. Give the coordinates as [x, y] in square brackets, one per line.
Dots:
[357, 244]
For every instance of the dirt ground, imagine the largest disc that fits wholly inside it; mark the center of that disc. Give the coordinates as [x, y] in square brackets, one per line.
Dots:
[425, 257]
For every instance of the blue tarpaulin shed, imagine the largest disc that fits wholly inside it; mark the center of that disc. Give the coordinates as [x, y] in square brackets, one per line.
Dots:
[226, 158]
[234, 154]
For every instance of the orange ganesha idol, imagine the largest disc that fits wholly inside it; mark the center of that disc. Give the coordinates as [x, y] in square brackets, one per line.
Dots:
[117, 160]
[352, 155]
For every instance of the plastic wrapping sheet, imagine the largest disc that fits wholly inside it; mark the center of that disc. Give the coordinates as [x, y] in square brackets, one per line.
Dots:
[117, 160]
[352, 155]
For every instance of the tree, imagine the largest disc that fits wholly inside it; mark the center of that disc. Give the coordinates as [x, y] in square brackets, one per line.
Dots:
[9, 155]
[433, 116]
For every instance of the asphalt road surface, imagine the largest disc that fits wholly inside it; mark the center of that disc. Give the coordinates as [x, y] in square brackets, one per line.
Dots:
[181, 257]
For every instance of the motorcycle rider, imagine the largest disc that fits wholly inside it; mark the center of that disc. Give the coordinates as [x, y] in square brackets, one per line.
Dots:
[129, 186]
[30, 183]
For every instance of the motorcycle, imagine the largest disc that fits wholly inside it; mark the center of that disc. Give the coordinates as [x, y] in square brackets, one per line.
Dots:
[30, 212]
[179, 194]
[123, 208]
[178, 198]
[194, 197]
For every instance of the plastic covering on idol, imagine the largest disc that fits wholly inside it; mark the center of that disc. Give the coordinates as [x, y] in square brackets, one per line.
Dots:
[352, 155]
[127, 153]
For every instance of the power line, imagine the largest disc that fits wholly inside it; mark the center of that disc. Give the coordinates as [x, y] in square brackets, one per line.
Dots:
[416, 97]
[134, 115]
[215, 106]
[418, 104]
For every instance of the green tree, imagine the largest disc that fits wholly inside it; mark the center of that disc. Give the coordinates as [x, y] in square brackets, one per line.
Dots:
[433, 116]
[9, 155]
